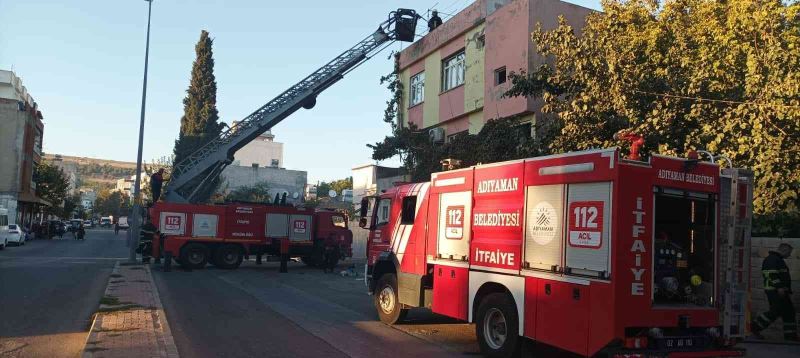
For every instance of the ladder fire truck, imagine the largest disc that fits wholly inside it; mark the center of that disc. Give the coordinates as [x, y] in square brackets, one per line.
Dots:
[588, 252]
[196, 234]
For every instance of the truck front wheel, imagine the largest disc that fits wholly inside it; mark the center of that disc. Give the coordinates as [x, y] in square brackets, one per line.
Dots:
[228, 257]
[497, 326]
[386, 300]
[194, 256]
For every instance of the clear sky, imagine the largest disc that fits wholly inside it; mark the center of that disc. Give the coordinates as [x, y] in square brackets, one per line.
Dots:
[82, 61]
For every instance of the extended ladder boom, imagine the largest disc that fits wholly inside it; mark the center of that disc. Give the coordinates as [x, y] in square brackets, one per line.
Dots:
[214, 156]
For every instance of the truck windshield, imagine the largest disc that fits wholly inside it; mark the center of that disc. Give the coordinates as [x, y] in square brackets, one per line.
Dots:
[683, 266]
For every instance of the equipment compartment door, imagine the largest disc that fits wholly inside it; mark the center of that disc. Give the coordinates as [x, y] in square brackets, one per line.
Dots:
[450, 291]
[562, 315]
[172, 223]
[204, 225]
[300, 228]
[277, 225]
[455, 211]
[544, 227]
[589, 228]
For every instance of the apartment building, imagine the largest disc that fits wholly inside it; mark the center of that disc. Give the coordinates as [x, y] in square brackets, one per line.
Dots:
[455, 76]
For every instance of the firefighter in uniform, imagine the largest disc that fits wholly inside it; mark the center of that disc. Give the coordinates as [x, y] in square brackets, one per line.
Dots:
[146, 240]
[778, 288]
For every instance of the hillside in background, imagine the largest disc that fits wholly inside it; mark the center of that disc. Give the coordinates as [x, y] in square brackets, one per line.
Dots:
[91, 172]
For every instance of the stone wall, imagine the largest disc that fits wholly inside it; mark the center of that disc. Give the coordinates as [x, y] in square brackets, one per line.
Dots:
[758, 300]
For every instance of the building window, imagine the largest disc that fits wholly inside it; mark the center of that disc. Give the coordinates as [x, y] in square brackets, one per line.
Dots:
[275, 163]
[455, 136]
[500, 76]
[418, 88]
[453, 72]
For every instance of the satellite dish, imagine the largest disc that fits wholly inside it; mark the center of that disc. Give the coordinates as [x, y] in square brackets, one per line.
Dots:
[332, 193]
[295, 195]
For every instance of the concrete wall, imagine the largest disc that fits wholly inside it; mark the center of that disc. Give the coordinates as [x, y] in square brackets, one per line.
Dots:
[758, 300]
[261, 151]
[278, 180]
[12, 137]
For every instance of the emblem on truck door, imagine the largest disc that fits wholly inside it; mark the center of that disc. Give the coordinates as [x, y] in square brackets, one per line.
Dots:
[543, 229]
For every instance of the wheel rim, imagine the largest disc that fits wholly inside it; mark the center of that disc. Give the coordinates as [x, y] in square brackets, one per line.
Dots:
[495, 329]
[386, 299]
[196, 257]
[230, 257]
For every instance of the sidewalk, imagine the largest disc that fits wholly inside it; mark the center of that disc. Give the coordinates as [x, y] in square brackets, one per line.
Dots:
[130, 321]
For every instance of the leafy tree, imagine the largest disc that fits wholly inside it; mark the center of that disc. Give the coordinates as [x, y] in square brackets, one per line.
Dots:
[71, 204]
[342, 184]
[258, 193]
[111, 203]
[688, 74]
[323, 189]
[51, 185]
[200, 122]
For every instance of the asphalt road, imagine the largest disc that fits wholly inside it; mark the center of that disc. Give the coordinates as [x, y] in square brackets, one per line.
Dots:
[49, 290]
[255, 311]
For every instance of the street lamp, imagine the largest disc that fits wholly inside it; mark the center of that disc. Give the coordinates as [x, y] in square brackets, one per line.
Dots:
[133, 232]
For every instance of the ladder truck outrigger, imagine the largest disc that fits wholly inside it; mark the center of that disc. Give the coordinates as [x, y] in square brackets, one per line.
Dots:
[196, 234]
[589, 252]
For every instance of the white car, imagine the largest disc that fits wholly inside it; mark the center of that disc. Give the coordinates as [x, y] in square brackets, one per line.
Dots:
[15, 235]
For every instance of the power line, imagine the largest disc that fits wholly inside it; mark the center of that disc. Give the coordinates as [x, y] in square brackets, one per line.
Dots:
[728, 102]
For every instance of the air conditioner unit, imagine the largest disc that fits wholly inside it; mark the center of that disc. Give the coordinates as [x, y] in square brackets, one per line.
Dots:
[436, 134]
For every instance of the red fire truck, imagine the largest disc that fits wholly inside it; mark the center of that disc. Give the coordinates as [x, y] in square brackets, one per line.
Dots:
[223, 234]
[586, 251]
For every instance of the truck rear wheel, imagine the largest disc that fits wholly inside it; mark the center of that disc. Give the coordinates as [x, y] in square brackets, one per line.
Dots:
[228, 257]
[194, 256]
[386, 299]
[497, 326]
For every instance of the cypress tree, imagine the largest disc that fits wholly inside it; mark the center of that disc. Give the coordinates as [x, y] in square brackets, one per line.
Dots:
[200, 122]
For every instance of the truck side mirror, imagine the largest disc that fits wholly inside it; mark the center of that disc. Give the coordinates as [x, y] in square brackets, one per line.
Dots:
[364, 207]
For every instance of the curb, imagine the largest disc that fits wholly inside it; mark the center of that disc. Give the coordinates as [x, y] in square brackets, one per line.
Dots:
[165, 340]
[92, 336]
[166, 337]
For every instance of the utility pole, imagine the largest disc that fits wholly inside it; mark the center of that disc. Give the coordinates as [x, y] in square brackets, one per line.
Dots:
[133, 232]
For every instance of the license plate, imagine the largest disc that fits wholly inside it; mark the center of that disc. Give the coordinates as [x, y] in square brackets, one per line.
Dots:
[679, 343]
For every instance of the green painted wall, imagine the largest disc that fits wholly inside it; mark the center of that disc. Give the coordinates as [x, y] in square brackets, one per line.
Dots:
[433, 85]
[474, 73]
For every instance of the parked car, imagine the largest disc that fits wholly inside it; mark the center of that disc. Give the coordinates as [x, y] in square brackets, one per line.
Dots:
[87, 223]
[14, 235]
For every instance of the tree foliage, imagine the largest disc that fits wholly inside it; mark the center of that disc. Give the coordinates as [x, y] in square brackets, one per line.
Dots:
[71, 204]
[258, 193]
[51, 185]
[686, 74]
[324, 188]
[200, 122]
[111, 203]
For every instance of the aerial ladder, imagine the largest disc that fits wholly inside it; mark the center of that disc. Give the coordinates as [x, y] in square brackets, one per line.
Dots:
[209, 161]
